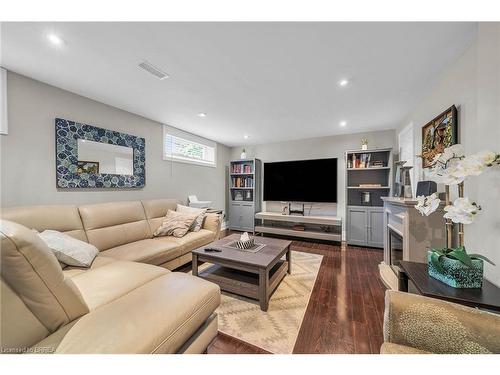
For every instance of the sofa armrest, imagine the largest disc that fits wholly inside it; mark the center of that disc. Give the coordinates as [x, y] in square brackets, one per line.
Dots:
[212, 223]
[438, 326]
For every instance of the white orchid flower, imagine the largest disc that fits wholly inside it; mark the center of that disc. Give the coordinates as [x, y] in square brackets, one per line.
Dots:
[451, 167]
[427, 205]
[486, 157]
[471, 166]
[461, 211]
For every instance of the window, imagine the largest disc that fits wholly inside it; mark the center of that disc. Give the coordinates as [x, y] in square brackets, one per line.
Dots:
[188, 148]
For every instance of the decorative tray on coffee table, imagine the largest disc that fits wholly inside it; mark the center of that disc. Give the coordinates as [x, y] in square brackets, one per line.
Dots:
[256, 247]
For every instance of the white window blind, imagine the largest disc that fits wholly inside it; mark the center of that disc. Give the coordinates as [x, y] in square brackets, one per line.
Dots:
[3, 101]
[188, 148]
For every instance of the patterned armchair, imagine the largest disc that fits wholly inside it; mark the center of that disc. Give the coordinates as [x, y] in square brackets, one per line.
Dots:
[415, 324]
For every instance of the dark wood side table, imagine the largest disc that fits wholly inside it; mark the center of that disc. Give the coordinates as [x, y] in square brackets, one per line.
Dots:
[487, 297]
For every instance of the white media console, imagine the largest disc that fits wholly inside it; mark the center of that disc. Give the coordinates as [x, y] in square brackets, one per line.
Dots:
[328, 228]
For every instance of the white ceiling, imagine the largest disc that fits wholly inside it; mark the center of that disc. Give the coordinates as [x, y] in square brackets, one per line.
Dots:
[271, 81]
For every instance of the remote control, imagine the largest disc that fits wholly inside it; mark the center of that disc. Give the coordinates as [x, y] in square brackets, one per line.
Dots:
[212, 250]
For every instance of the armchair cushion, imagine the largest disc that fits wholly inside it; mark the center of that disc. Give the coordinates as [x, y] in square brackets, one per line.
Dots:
[390, 348]
[438, 326]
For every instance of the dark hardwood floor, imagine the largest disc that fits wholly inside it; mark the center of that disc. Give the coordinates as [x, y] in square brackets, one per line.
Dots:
[346, 308]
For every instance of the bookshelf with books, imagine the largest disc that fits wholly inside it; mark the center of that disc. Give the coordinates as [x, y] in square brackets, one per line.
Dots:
[368, 178]
[244, 193]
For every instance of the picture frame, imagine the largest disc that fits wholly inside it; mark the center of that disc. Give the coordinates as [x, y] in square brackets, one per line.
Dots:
[439, 133]
[67, 134]
[85, 166]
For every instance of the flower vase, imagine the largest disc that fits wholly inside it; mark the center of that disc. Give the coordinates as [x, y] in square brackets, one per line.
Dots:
[456, 274]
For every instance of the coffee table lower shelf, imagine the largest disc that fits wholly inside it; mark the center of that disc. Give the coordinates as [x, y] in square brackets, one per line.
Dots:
[244, 283]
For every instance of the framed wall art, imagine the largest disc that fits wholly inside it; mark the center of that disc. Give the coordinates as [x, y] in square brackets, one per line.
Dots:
[439, 133]
[90, 157]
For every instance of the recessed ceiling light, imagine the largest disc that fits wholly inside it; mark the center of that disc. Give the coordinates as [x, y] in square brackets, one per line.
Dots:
[55, 39]
[343, 123]
[245, 136]
[343, 82]
[202, 114]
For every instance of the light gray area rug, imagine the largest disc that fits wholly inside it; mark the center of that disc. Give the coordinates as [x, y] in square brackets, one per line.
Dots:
[275, 330]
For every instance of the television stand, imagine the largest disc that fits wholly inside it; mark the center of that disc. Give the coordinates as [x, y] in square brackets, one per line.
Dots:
[297, 212]
[327, 228]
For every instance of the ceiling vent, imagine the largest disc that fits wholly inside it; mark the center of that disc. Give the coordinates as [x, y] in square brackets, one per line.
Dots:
[153, 70]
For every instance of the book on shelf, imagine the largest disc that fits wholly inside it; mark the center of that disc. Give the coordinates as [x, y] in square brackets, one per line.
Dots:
[240, 182]
[369, 185]
[241, 168]
[363, 161]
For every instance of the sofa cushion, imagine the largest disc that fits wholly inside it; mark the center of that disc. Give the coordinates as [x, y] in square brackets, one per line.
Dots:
[99, 261]
[212, 223]
[104, 284]
[20, 328]
[149, 251]
[160, 316]
[34, 274]
[194, 240]
[63, 218]
[113, 224]
[156, 209]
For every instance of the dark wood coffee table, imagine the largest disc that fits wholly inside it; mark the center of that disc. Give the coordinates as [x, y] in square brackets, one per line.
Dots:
[253, 275]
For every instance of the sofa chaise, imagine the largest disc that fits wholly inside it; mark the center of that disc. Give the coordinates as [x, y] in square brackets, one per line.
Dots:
[128, 301]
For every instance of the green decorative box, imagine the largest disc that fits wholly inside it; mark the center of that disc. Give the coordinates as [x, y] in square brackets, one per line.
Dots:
[457, 274]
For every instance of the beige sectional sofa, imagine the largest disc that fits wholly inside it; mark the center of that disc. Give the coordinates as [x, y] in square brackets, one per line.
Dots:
[124, 303]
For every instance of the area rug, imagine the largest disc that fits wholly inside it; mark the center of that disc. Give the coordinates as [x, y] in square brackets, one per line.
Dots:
[277, 329]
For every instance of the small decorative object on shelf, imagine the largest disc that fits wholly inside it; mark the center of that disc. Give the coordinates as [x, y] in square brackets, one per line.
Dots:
[366, 198]
[399, 190]
[285, 208]
[364, 144]
[243, 154]
[407, 181]
[245, 242]
[454, 266]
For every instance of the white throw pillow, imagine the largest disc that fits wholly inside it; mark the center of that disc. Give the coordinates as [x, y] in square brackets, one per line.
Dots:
[69, 250]
[198, 223]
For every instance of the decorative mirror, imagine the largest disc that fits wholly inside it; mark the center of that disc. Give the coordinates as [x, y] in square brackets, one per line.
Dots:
[92, 157]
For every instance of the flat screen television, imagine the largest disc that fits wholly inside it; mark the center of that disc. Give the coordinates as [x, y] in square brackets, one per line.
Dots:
[301, 181]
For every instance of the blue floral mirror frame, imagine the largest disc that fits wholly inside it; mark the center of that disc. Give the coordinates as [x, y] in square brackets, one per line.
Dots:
[67, 135]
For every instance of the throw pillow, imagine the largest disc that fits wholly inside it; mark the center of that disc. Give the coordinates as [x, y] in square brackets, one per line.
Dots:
[69, 250]
[198, 223]
[175, 224]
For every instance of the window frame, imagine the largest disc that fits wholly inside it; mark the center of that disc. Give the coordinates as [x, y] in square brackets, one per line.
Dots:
[171, 131]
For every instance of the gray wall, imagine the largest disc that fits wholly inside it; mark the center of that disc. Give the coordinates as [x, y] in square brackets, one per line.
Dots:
[316, 148]
[28, 159]
[473, 84]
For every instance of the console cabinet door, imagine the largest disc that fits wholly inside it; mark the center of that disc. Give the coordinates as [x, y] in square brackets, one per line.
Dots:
[357, 226]
[235, 216]
[376, 227]
[247, 217]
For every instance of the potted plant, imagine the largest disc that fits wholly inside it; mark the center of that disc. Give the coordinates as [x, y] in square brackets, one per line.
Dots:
[453, 265]
[364, 144]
